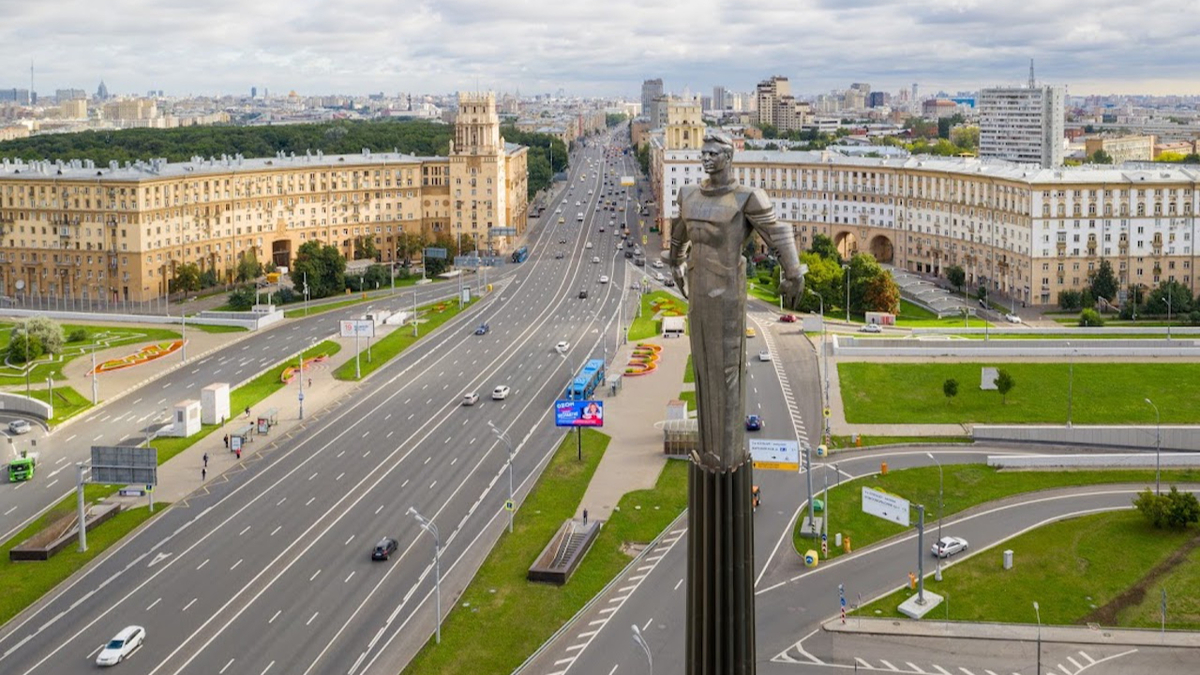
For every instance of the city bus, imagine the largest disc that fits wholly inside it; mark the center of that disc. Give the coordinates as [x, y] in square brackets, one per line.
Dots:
[584, 385]
[521, 254]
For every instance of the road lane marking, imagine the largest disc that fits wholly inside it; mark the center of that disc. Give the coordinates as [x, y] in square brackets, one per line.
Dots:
[222, 671]
[277, 528]
[153, 604]
[202, 564]
[917, 668]
[245, 530]
[235, 565]
[311, 619]
[349, 578]
[185, 607]
[891, 667]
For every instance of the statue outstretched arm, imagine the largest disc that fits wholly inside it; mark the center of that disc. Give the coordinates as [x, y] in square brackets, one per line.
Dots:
[760, 213]
[679, 240]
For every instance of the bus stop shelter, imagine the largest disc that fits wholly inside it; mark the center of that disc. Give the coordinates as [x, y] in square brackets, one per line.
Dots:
[267, 419]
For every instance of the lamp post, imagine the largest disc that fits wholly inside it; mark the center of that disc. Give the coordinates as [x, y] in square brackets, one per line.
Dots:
[1038, 612]
[1070, 385]
[1157, 446]
[429, 527]
[824, 356]
[507, 441]
[941, 507]
[846, 269]
[641, 642]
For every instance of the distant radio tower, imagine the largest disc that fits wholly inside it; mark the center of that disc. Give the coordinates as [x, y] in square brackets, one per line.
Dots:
[1031, 84]
[29, 96]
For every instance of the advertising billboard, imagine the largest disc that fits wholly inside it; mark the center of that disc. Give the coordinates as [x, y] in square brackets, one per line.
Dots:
[359, 328]
[579, 413]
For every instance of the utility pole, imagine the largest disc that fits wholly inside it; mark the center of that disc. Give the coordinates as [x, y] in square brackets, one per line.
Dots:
[920, 554]
[95, 382]
[301, 397]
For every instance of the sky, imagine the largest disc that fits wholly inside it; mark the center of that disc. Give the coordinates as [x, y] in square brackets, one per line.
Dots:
[596, 47]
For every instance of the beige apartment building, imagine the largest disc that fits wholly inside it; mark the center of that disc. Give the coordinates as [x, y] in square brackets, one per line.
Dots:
[1121, 149]
[1015, 228]
[75, 230]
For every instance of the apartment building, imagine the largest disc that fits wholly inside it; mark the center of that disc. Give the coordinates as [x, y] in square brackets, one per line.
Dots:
[1121, 149]
[1022, 124]
[76, 230]
[1024, 231]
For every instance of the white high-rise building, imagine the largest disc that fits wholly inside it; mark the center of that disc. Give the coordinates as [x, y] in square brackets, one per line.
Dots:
[1022, 124]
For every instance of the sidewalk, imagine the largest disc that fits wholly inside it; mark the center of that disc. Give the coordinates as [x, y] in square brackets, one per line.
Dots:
[1013, 632]
[181, 476]
[635, 456]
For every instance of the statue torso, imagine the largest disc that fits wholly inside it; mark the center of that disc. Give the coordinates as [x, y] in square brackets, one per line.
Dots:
[716, 228]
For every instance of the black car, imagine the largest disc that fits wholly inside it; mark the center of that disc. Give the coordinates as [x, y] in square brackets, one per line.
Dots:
[483, 329]
[384, 549]
[628, 254]
[583, 294]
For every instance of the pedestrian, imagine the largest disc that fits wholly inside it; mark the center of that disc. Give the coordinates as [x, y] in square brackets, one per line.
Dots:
[310, 383]
[247, 412]
[203, 474]
[206, 460]
[239, 453]
[226, 441]
[585, 516]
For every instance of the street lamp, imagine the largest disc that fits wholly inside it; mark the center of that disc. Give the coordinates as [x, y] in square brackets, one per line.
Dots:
[846, 269]
[641, 642]
[1038, 612]
[1070, 384]
[1157, 446]
[824, 355]
[507, 441]
[941, 506]
[429, 527]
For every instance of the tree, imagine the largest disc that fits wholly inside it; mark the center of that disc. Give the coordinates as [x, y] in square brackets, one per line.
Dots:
[1100, 157]
[187, 278]
[823, 246]
[1175, 509]
[965, 137]
[208, 278]
[1104, 282]
[242, 298]
[20, 347]
[248, 267]
[1004, 384]
[325, 268]
[1170, 294]
[1069, 300]
[881, 294]
[1090, 318]
[950, 388]
[863, 273]
[824, 277]
[957, 276]
[45, 331]
[364, 248]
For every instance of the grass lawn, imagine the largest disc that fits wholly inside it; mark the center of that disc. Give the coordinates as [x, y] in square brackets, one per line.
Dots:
[1104, 393]
[67, 402]
[483, 638]
[1082, 335]
[386, 348]
[689, 372]
[244, 396]
[26, 582]
[836, 442]
[217, 329]
[1183, 599]
[915, 316]
[102, 336]
[1070, 568]
[351, 299]
[763, 291]
[689, 397]
[966, 485]
[648, 325]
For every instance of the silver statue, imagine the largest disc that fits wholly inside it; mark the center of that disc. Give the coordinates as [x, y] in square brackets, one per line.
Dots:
[716, 218]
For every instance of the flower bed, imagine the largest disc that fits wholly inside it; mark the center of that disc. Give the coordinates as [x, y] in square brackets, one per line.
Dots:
[143, 355]
[290, 372]
[643, 360]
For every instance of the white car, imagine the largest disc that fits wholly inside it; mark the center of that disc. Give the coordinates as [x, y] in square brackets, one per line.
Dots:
[470, 399]
[18, 427]
[603, 279]
[871, 328]
[121, 646]
[595, 259]
[948, 546]
[562, 346]
[589, 245]
[657, 264]
[500, 393]
[658, 276]
[764, 355]
[1012, 318]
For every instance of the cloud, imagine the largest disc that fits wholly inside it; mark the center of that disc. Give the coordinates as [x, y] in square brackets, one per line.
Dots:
[595, 48]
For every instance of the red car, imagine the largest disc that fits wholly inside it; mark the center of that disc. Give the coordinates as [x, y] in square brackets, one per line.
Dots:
[788, 318]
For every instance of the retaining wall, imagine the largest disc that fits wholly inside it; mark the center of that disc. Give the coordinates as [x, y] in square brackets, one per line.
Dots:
[22, 404]
[1141, 460]
[1174, 438]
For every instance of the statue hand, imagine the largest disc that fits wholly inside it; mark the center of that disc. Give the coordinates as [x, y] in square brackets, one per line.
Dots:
[679, 273]
[792, 291]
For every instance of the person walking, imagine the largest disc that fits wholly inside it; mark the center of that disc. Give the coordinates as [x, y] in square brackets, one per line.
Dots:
[203, 474]
[585, 516]
[239, 453]
[247, 412]
[226, 441]
[206, 460]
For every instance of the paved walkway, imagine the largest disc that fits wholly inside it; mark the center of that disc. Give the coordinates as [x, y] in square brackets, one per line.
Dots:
[1014, 631]
[634, 457]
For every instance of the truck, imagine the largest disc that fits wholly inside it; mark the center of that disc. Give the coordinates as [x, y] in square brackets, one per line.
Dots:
[21, 468]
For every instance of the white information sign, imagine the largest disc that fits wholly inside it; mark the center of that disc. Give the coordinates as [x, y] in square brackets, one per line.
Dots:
[775, 455]
[364, 328]
[886, 506]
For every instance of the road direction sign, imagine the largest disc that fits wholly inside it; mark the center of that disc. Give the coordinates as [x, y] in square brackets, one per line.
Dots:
[124, 464]
[435, 253]
[773, 455]
[886, 506]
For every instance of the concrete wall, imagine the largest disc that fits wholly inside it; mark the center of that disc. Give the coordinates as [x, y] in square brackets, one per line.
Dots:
[1066, 331]
[1139, 461]
[1142, 437]
[241, 319]
[850, 347]
[29, 406]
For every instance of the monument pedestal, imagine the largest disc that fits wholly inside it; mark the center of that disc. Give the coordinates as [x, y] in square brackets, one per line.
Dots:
[720, 581]
[811, 528]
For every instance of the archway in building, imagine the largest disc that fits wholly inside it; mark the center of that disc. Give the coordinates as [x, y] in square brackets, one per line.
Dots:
[881, 248]
[846, 243]
[281, 252]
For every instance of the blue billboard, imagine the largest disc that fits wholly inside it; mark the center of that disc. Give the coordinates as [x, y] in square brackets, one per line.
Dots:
[579, 413]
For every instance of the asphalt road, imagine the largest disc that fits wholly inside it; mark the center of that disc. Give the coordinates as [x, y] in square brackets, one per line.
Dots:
[268, 570]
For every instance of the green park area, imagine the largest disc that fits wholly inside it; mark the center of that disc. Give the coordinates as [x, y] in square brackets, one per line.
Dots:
[383, 350]
[480, 634]
[1105, 568]
[1101, 393]
[77, 341]
[915, 316]
[965, 485]
[655, 306]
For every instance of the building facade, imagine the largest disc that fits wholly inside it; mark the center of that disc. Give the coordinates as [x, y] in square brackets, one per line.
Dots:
[75, 230]
[1022, 124]
[1122, 149]
[1026, 232]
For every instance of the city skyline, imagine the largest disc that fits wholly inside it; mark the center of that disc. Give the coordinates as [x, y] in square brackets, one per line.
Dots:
[586, 50]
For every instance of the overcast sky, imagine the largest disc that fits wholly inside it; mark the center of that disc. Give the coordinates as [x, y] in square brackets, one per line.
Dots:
[596, 47]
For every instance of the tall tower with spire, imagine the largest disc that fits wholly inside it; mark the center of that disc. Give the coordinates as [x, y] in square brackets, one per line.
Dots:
[102, 91]
[478, 173]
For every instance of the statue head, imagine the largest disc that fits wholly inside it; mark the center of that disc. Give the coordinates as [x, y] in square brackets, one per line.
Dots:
[717, 153]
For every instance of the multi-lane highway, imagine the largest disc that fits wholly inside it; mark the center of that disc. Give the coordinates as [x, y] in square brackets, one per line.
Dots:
[269, 570]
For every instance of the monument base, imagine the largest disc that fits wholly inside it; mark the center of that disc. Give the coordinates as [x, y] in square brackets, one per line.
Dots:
[914, 610]
[720, 580]
[811, 529]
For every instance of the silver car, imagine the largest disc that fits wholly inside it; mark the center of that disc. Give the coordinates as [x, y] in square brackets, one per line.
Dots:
[948, 546]
[18, 427]
[121, 646]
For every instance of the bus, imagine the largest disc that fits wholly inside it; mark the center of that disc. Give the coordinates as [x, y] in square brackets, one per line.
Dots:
[584, 385]
[521, 254]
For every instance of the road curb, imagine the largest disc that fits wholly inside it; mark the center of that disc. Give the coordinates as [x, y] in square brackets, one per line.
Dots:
[1013, 632]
